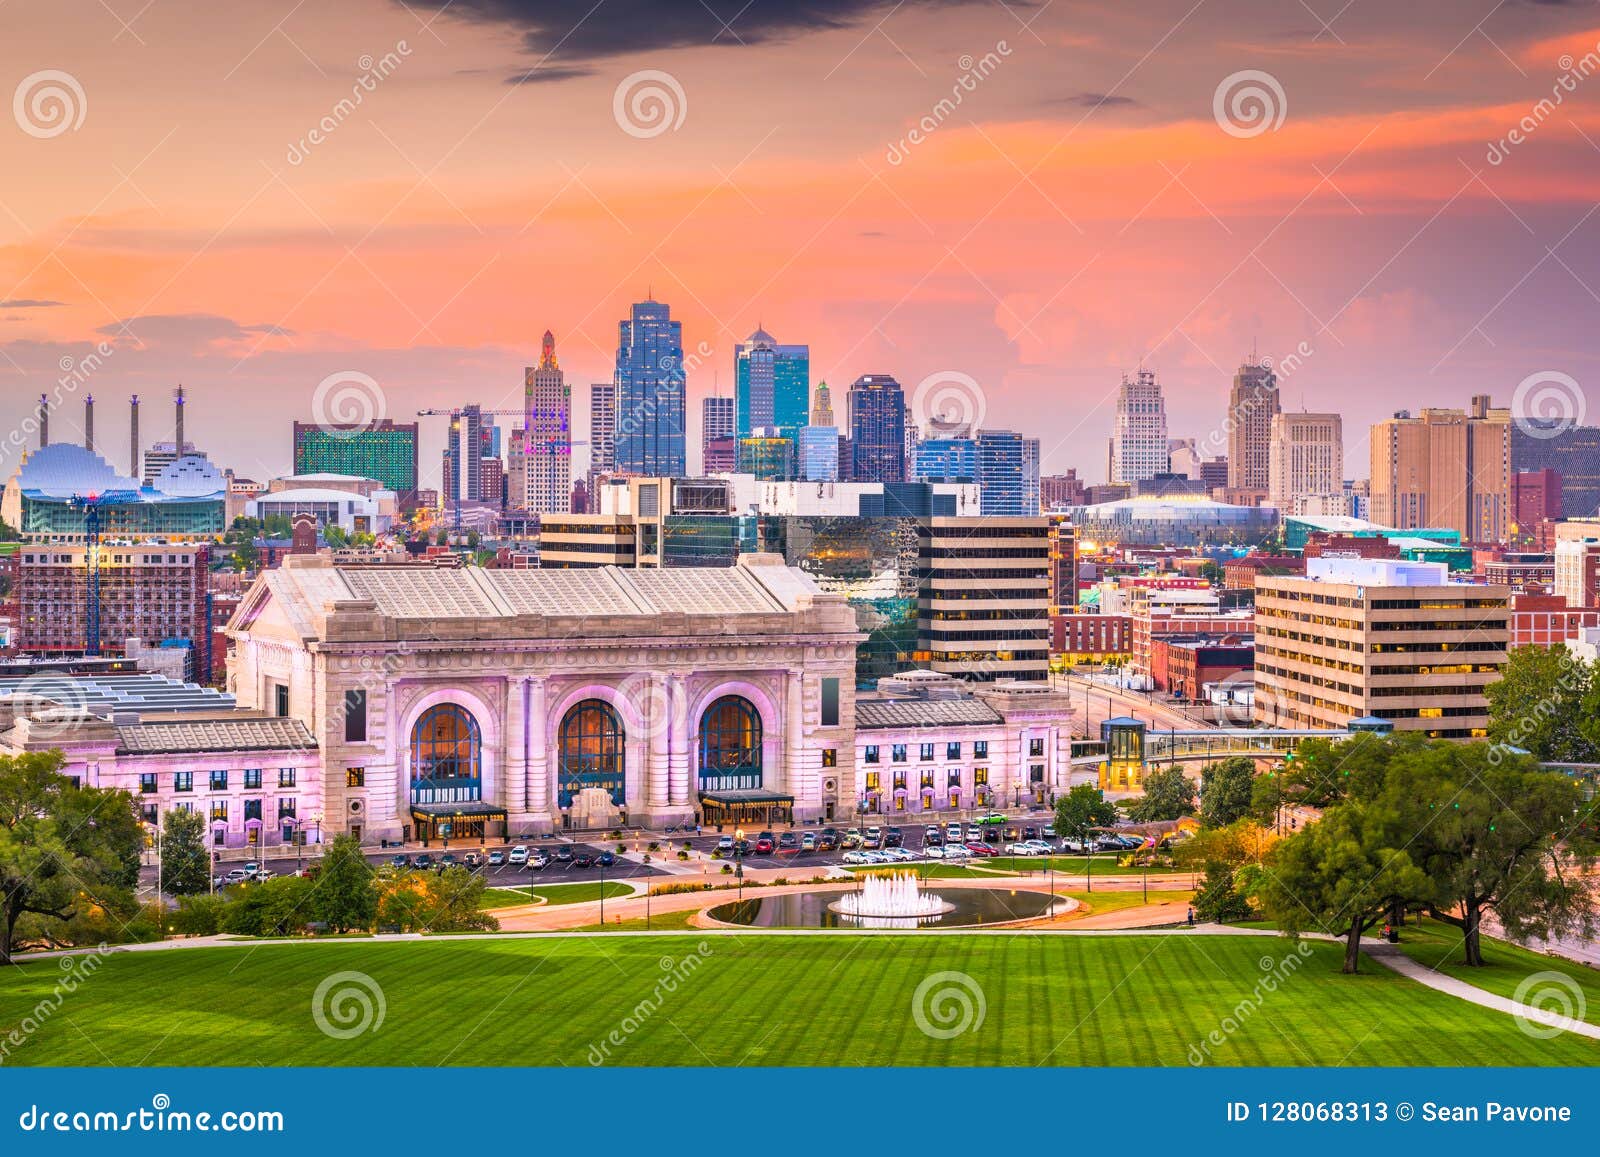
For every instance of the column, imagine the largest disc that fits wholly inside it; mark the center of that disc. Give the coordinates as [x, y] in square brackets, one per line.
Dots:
[537, 736]
[514, 769]
[795, 780]
[679, 742]
[657, 728]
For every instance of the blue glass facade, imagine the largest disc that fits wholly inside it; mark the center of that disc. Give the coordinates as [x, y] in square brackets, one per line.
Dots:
[772, 384]
[651, 404]
[946, 460]
[877, 429]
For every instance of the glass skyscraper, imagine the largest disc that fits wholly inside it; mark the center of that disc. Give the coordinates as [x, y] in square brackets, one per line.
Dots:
[772, 384]
[651, 405]
[877, 408]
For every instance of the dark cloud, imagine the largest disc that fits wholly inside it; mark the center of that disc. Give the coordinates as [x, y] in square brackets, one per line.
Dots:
[1096, 100]
[549, 75]
[581, 30]
[29, 303]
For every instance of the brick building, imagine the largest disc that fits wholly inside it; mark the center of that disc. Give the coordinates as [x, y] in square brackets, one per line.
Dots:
[1183, 664]
[1089, 638]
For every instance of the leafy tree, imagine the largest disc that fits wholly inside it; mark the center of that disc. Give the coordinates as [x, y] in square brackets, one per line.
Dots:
[8, 533]
[1322, 772]
[64, 850]
[185, 860]
[276, 907]
[447, 901]
[333, 534]
[1220, 898]
[1225, 791]
[1341, 874]
[345, 897]
[1168, 794]
[1081, 811]
[1543, 703]
[442, 538]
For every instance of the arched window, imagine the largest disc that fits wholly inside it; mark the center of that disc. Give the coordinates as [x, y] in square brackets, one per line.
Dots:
[730, 745]
[446, 756]
[592, 752]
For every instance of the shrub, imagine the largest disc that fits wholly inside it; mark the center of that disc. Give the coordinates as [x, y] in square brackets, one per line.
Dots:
[198, 915]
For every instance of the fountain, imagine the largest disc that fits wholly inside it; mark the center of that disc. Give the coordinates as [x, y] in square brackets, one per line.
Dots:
[891, 901]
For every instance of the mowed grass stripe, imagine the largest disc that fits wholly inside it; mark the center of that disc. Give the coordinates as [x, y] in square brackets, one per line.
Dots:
[1063, 1000]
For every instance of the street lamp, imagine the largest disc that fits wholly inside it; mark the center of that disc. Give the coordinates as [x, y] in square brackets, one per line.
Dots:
[738, 860]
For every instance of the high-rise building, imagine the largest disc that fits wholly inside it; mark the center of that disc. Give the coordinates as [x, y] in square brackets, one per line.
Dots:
[972, 623]
[1405, 644]
[772, 384]
[602, 428]
[471, 440]
[1536, 497]
[1139, 437]
[721, 455]
[547, 438]
[385, 451]
[1059, 491]
[1574, 453]
[650, 415]
[1306, 458]
[1251, 406]
[1444, 468]
[716, 420]
[877, 410]
[818, 443]
[945, 460]
[768, 454]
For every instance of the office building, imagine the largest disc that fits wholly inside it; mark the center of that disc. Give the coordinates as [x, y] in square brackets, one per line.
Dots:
[985, 595]
[471, 442]
[720, 455]
[772, 384]
[1572, 452]
[877, 415]
[1305, 458]
[545, 485]
[767, 454]
[1252, 403]
[716, 421]
[1139, 435]
[385, 451]
[1577, 562]
[1008, 473]
[1354, 638]
[819, 442]
[602, 428]
[650, 406]
[1059, 491]
[1444, 468]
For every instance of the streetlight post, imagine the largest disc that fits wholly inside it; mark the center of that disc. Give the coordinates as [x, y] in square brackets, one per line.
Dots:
[602, 864]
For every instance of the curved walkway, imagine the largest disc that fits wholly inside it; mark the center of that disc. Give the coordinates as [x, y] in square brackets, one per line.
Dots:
[1391, 957]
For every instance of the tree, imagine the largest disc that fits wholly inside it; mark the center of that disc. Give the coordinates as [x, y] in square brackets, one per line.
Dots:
[1168, 794]
[1341, 874]
[1081, 811]
[448, 901]
[1497, 834]
[63, 849]
[185, 860]
[345, 898]
[1219, 898]
[276, 907]
[333, 534]
[1543, 703]
[1225, 791]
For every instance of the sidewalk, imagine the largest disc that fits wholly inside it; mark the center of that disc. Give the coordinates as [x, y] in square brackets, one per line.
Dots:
[1391, 957]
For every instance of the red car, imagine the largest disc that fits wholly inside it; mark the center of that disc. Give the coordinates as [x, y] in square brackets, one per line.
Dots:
[980, 849]
[764, 846]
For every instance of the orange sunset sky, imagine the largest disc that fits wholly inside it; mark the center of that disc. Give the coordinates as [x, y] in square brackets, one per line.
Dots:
[1088, 205]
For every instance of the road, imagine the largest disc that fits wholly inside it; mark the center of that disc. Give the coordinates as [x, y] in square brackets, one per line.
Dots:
[1096, 702]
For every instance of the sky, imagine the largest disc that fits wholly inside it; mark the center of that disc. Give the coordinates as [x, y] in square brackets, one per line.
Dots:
[374, 206]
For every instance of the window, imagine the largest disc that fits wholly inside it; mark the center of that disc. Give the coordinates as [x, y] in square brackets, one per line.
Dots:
[355, 777]
[152, 814]
[219, 837]
[252, 810]
[446, 756]
[219, 781]
[980, 775]
[730, 745]
[952, 751]
[355, 716]
[1036, 747]
[280, 700]
[872, 781]
[1036, 773]
[830, 703]
[926, 754]
[592, 752]
[286, 776]
[898, 753]
[900, 780]
[953, 778]
[871, 755]
[183, 781]
[252, 778]
[927, 781]
[980, 749]
[286, 808]
[830, 757]
[219, 810]
[147, 784]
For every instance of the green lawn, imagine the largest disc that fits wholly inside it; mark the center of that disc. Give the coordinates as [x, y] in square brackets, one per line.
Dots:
[924, 871]
[764, 1000]
[1100, 903]
[552, 893]
[1506, 965]
[1074, 866]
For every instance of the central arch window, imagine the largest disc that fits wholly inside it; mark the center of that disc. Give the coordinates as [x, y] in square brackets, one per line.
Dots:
[730, 745]
[446, 756]
[592, 752]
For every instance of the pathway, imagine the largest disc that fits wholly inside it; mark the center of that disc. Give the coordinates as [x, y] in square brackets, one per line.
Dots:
[1391, 957]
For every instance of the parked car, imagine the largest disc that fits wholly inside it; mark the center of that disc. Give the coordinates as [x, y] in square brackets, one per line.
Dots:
[956, 852]
[1020, 849]
[974, 833]
[263, 875]
[400, 861]
[448, 860]
[874, 834]
[1049, 832]
[894, 838]
[472, 861]
[932, 837]
[606, 859]
[519, 854]
[770, 837]
[765, 846]
[898, 853]
[583, 860]
[743, 848]
[852, 838]
[952, 830]
[934, 851]
[979, 848]
[855, 857]
[564, 855]
[788, 843]
[497, 858]
[235, 876]
[808, 843]
[1044, 846]
[725, 845]
[423, 862]
[539, 861]
[1030, 833]
[828, 840]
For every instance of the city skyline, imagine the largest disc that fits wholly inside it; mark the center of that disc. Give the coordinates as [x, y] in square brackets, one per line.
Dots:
[1375, 237]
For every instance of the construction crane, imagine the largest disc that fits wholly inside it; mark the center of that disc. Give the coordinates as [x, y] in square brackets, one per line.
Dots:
[90, 504]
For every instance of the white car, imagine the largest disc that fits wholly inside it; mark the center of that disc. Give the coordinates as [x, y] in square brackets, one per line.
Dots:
[1044, 847]
[1021, 850]
[934, 851]
[236, 876]
[519, 854]
[856, 858]
[956, 852]
[900, 854]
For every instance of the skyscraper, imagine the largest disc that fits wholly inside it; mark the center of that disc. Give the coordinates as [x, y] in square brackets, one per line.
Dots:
[716, 421]
[818, 443]
[1139, 437]
[877, 410]
[602, 428]
[772, 384]
[383, 450]
[471, 440]
[1444, 468]
[547, 443]
[1306, 459]
[651, 403]
[1251, 406]
[1571, 451]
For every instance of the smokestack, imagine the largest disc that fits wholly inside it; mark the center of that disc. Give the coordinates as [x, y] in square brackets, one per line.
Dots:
[133, 437]
[88, 422]
[178, 446]
[44, 421]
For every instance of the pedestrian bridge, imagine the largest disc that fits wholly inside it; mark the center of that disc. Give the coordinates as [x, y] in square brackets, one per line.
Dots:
[1128, 747]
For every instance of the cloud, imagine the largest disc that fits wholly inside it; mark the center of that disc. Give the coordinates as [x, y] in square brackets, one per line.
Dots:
[187, 330]
[580, 30]
[1092, 100]
[29, 303]
[547, 75]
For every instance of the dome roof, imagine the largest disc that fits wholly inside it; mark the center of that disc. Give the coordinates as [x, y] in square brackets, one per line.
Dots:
[64, 469]
[192, 476]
